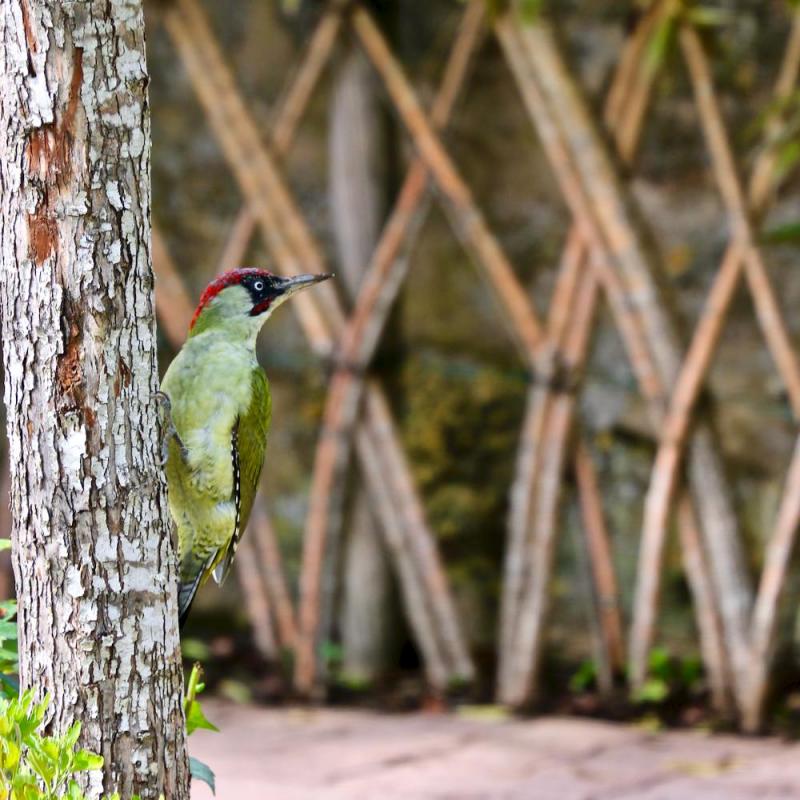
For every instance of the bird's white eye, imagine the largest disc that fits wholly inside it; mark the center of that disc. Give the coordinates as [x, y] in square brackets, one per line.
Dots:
[258, 285]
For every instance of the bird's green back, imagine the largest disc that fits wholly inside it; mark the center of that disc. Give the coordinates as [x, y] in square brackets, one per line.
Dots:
[217, 389]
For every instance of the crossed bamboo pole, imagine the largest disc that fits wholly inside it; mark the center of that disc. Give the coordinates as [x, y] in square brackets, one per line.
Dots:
[517, 680]
[449, 183]
[466, 217]
[780, 545]
[624, 113]
[534, 500]
[291, 109]
[380, 286]
[742, 254]
[321, 316]
[476, 237]
[736, 636]
[628, 272]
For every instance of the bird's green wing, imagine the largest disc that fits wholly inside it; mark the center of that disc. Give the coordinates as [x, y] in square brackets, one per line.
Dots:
[248, 442]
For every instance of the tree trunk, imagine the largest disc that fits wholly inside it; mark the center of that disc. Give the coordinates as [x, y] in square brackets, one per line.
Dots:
[93, 559]
[357, 180]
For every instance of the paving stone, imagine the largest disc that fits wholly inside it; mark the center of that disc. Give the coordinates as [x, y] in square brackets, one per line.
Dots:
[326, 754]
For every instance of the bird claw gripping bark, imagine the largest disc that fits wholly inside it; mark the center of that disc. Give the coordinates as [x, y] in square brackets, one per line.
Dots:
[167, 427]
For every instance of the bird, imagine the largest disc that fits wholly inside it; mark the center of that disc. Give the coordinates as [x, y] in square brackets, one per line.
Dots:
[217, 403]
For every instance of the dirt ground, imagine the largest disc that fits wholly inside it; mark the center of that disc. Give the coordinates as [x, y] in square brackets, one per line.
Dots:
[295, 754]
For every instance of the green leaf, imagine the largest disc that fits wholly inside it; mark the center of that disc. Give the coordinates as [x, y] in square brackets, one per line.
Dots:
[9, 652]
[529, 10]
[584, 678]
[194, 687]
[11, 682]
[196, 719]
[660, 663]
[654, 690]
[51, 748]
[25, 787]
[194, 649]
[86, 760]
[788, 233]
[332, 653]
[691, 672]
[10, 755]
[788, 156]
[660, 44]
[5, 544]
[74, 792]
[203, 773]
[70, 738]
[8, 629]
[41, 764]
[708, 17]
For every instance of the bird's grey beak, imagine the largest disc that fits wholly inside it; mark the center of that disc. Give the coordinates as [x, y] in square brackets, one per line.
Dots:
[297, 282]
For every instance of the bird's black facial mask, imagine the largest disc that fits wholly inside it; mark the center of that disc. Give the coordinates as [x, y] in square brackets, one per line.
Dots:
[263, 290]
[266, 289]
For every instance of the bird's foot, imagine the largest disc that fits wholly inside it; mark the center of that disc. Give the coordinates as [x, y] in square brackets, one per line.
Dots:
[167, 427]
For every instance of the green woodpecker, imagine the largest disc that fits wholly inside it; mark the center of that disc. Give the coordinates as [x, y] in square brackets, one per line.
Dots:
[219, 406]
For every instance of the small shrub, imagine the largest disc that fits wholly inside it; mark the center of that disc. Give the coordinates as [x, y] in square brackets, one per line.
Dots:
[37, 767]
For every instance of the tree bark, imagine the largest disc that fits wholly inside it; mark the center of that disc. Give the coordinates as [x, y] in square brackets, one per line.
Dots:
[358, 200]
[93, 559]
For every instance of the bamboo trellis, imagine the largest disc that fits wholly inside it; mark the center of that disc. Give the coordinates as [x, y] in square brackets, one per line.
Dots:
[607, 256]
[599, 200]
[384, 468]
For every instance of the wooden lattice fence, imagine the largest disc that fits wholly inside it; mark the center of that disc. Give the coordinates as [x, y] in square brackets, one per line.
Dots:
[607, 257]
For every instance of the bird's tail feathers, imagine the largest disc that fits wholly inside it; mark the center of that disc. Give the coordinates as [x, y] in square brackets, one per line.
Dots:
[224, 567]
[187, 590]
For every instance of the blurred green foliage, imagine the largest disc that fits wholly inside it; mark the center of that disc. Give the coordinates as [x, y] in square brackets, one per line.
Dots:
[460, 425]
[9, 660]
[196, 720]
[34, 766]
[585, 677]
[669, 676]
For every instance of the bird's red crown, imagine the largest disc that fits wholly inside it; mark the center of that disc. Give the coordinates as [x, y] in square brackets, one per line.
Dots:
[231, 278]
